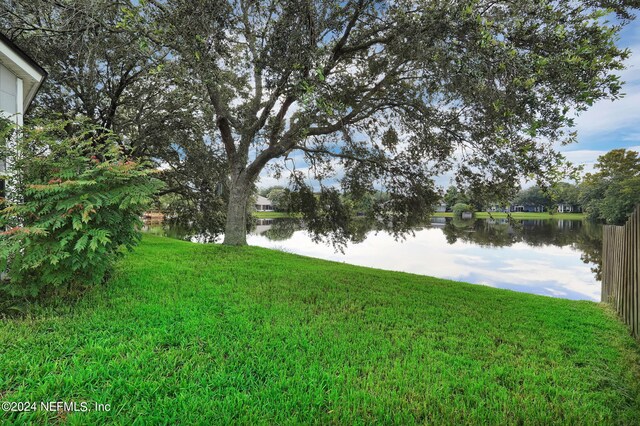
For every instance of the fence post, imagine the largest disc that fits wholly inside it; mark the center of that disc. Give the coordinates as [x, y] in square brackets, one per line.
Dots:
[636, 272]
[621, 270]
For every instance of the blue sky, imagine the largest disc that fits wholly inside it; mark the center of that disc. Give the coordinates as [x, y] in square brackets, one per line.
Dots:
[605, 126]
[610, 125]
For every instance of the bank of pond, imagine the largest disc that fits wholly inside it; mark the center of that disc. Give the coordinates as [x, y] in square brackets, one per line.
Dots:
[553, 257]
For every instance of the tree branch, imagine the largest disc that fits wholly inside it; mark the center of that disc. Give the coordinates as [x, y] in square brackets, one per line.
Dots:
[257, 72]
[337, 155]
[222, 122]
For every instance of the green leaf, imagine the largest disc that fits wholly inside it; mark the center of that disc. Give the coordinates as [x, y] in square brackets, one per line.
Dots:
[81, 244]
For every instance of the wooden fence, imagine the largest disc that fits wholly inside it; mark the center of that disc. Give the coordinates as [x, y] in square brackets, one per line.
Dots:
[620, 270]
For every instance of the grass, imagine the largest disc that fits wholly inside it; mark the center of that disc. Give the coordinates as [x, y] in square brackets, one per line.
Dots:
[479, 215]
[206, 334]
[272, 215]
[522, 215]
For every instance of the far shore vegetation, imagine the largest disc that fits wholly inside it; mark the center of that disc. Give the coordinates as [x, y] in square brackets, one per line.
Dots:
[477, 215]
[519, 215]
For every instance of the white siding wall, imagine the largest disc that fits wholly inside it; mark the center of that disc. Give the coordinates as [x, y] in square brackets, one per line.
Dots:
[8, 92]
[10, 101]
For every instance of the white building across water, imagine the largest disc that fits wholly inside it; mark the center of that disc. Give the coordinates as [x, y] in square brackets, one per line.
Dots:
[263, 204]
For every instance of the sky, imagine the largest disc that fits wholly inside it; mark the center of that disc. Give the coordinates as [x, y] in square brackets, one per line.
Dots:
[609, 125]
[605, 126]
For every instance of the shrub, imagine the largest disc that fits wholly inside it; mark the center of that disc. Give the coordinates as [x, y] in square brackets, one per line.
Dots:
[75, 201]
[460, 208]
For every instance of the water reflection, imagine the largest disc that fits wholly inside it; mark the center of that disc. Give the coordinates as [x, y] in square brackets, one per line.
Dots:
[584, 236]
[558, 258]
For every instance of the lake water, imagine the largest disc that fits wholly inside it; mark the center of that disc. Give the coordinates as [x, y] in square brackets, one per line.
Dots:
[558, 258]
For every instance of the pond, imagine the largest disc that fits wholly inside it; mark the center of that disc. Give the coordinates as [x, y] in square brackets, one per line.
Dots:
[559, 258]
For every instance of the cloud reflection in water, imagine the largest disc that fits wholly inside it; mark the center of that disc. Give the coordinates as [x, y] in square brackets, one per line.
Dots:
[526, 264]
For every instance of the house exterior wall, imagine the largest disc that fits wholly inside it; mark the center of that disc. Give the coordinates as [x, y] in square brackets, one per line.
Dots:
[11, 107]
[20, 78]
[569, 208]
[8, 92]
[264, 207]
[263, 204]
[11, 102]
[29, 74]
[527, 208]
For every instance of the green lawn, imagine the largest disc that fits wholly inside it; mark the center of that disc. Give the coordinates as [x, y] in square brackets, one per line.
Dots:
[479, 215]
[205, 334]
[272, 215]
[485, 215]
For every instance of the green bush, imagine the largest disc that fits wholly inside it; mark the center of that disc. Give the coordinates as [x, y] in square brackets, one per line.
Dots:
[460, 208]
[74, 202]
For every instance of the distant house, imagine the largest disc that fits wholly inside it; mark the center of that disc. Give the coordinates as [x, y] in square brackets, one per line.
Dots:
[20, 79]
[527, 208]
[569, 208]
[263, 204]
[498, 208]
[440, 208]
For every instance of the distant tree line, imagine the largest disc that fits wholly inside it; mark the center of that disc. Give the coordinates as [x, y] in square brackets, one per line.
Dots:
[609, 194]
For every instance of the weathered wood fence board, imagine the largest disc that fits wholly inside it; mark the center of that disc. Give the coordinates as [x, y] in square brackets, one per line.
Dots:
[621, 270]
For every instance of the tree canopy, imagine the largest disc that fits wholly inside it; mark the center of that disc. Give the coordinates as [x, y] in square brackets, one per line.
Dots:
[381, 95]
[101, 70]
[564, 192]
[454, 196]
[535, 196]
[613, 191]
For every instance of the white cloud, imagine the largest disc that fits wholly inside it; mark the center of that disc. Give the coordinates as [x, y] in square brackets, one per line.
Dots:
[267, 181]
[589, 157]
[632, 72]
[607, 116]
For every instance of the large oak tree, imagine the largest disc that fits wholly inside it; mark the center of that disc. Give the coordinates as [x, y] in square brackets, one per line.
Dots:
[389, 92]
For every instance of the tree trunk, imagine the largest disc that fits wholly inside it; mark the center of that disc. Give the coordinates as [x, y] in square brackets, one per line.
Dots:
[235, 233]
